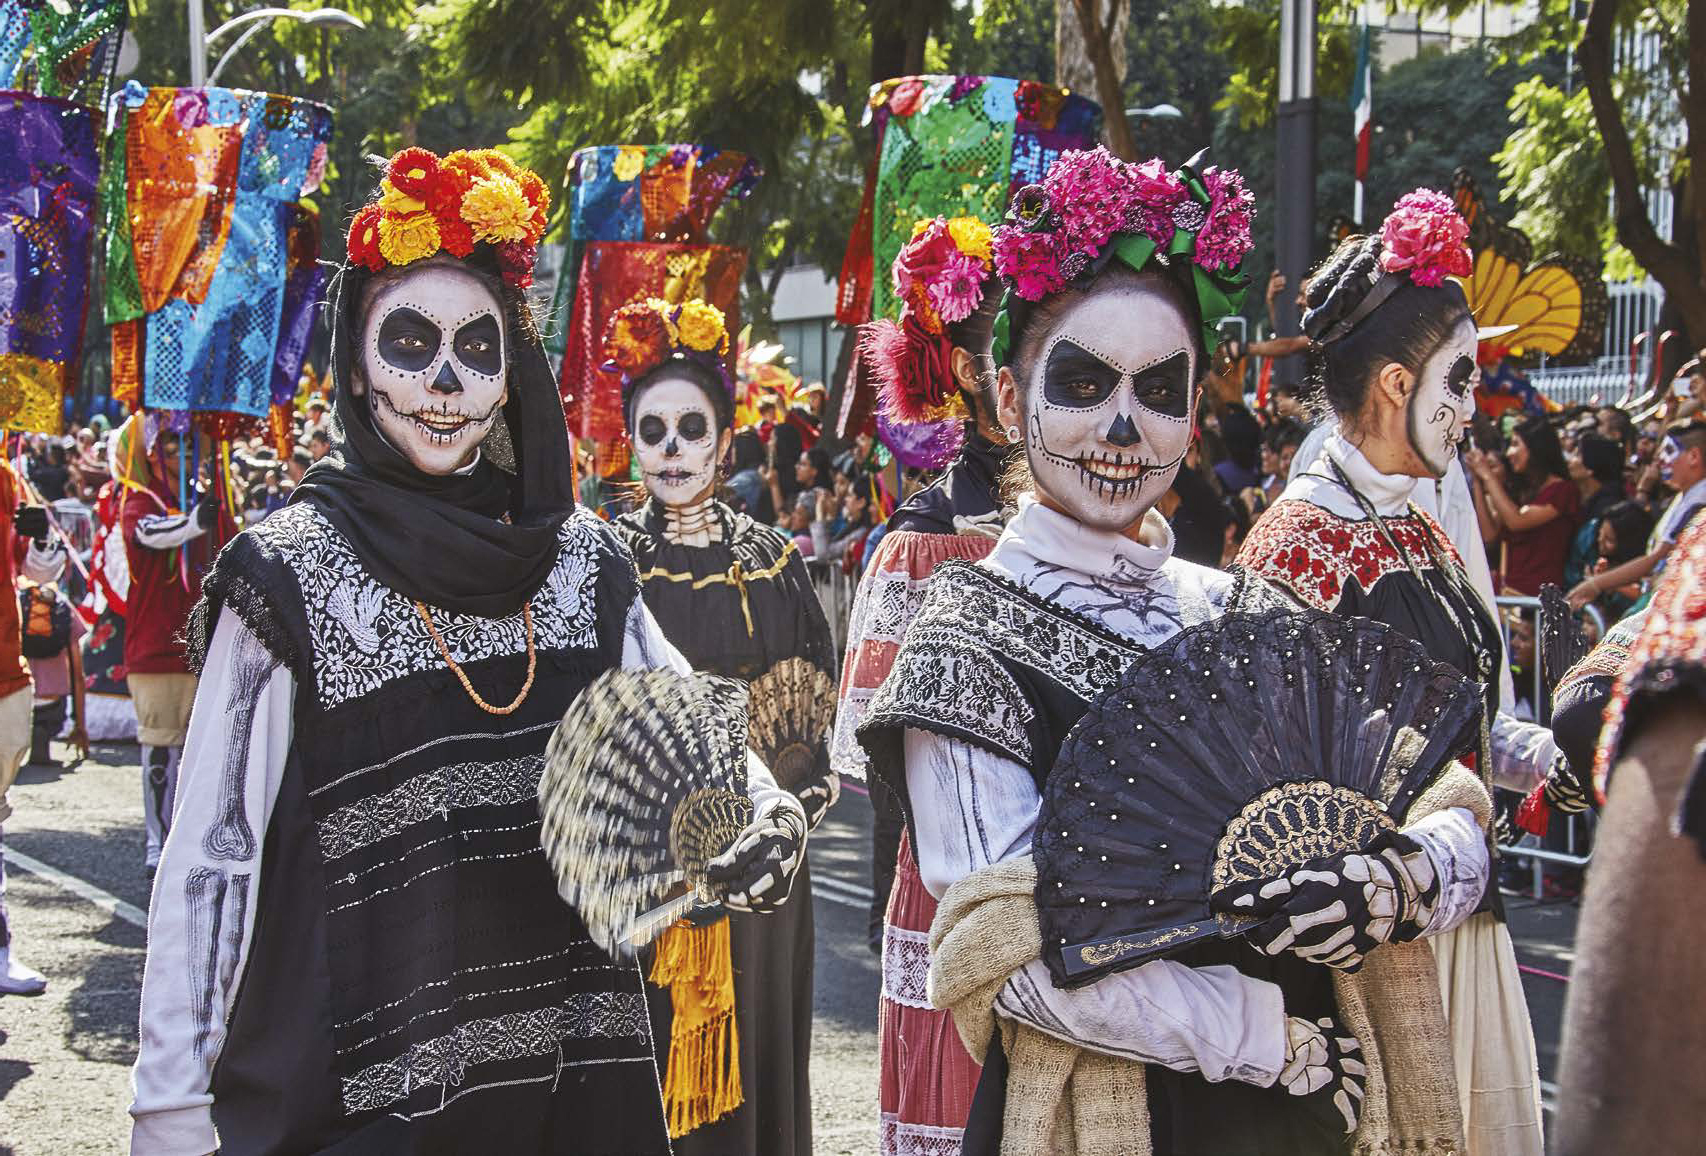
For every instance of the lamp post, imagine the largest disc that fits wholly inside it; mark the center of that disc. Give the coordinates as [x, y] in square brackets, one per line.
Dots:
[256, 20]
[1294, 170]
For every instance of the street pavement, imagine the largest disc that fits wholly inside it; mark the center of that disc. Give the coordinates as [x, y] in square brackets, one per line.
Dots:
[77, 896]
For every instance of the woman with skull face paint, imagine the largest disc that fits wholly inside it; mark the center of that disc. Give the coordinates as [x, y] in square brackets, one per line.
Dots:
[734, 595]
[1116, 276]
[932, 366]
[356, 944]
[1394, 361]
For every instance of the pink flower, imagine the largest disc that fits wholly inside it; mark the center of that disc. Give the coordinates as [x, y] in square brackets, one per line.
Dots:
[1153, 184]
[1096, 191]
[957, 290]
[1425, 234]
[1029, 262]
[1225, 236]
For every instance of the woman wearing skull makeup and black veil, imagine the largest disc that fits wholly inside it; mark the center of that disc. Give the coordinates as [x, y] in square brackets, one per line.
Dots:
[356, 944]
[1393, 349]
[734, 595]
[1116, 276]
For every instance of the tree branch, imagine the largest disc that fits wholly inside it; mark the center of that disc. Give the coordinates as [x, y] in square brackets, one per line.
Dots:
[1668, 264]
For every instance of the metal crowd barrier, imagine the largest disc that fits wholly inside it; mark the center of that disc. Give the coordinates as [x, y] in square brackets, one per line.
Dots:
[835, 591]
[1578, 829]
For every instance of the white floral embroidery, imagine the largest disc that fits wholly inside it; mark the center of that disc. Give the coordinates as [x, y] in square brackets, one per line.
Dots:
[369, 634]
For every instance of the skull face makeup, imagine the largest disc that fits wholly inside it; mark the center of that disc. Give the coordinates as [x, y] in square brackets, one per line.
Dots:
[434, 365]
[676, 439]
[1443, 399]
[1108, 403]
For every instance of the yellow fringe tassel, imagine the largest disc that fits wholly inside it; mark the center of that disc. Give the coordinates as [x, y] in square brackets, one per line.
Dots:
[702, 1082]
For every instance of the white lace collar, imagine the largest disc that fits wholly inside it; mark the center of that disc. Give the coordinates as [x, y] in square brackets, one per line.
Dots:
[1039, 537]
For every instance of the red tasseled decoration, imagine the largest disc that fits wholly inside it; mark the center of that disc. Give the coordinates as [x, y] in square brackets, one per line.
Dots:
[1535, 813]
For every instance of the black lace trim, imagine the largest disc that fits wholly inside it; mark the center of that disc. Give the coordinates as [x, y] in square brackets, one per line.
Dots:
[234, 582]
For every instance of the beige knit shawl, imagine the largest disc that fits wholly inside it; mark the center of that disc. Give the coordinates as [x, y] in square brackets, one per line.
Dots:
[1070, 1101]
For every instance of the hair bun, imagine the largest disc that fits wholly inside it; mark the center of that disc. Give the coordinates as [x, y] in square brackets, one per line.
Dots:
[1338, 287]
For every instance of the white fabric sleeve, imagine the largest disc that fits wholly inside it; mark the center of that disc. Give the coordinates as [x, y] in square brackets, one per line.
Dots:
[1457, 847]
[167, 531]
[972, 808]
[1522, 753]
[44, 563]
[202, 913]
[644, 647]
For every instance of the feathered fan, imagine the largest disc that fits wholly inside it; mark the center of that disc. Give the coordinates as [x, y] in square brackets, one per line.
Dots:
[793, 705]
[1237, 750]
[644, 783]
[1562, 642]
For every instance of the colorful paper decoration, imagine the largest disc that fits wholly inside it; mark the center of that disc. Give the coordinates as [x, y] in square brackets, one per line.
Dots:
[48, 168]
[638, 221]
[950, 146]
[64, 48]
[614, 273]
[205, 232]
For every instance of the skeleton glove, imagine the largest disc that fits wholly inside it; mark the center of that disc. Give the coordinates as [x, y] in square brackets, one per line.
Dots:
[819, 797]
[1336, 910]
[1324, 1060]
[756, 873]
[1564, 793]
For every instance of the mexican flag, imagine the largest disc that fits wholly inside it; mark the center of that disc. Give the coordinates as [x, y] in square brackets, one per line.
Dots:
[1362, 110]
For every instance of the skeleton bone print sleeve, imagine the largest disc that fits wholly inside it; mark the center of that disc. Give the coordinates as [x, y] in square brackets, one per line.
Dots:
[202, 915]
[972, 808]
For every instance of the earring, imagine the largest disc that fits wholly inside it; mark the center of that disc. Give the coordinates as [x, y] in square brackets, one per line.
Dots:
[1013, 434]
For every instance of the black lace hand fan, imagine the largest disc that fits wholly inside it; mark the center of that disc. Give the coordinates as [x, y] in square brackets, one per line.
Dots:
[1563, 643]
[792, 707]
[1237, 750]
[644, 783]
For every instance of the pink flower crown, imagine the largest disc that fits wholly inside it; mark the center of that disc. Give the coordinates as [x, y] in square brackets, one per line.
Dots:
[939, 277]
[1092, 207]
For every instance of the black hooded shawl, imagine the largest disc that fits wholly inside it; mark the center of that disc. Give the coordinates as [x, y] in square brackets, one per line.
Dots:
[479, 543]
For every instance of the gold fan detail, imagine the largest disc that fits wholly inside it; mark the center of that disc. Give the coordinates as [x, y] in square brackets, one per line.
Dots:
[790, 710]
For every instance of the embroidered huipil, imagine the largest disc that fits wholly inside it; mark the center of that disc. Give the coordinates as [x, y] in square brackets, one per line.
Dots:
[998, 665]
[370, 952]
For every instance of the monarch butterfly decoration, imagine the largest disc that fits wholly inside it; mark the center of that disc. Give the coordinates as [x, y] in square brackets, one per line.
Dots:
[1556, 306]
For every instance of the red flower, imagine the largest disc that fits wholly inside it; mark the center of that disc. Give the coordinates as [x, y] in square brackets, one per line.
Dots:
[364, 239]
[455, 235]
[414, 171]
[516, 259]
[904, 100]
[637, 340]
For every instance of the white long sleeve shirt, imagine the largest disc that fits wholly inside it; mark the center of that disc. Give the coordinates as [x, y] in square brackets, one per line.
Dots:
[182, 1035]
[972, 808]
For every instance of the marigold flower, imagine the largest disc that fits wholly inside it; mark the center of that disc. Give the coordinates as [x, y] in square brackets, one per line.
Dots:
[971, 237]
[629, 162]
[498, 210]
[403, 239]
[701, 325]
[413, 171]
[364, 239]
[637, 339]
[396, 202]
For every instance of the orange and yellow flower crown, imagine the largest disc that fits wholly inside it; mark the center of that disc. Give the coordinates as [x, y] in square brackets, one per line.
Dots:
[428, 204]
[645, 334]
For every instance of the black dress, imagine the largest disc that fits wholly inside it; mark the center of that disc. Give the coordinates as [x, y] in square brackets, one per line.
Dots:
[989, 663]
[745, 607]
